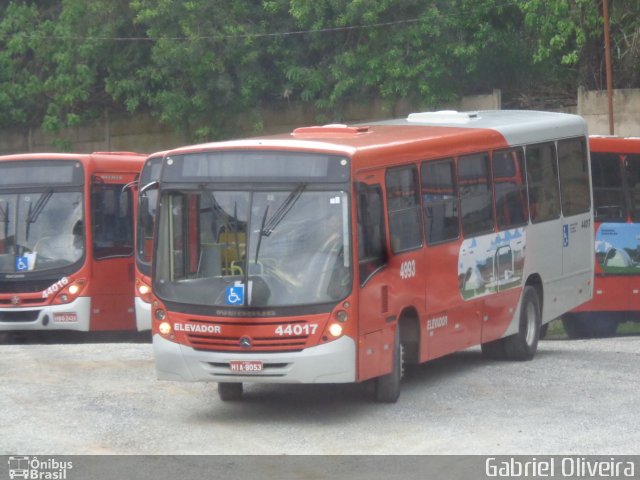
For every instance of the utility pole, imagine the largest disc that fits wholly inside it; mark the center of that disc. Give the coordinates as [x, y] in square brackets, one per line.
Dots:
[607, 59]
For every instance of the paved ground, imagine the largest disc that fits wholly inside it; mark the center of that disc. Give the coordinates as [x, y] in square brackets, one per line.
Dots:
[575, 397]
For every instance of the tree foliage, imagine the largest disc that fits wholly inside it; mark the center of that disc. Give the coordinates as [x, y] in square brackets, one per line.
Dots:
[195, 63]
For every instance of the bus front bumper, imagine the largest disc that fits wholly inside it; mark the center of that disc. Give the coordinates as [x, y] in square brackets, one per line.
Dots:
[71, 316]
[143, 315]
[333, 362]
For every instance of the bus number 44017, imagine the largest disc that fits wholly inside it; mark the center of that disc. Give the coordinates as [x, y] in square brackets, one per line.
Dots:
[296, 330]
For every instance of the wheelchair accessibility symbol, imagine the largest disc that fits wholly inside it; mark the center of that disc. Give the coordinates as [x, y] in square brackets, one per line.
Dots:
[235, 295]
[22, 264]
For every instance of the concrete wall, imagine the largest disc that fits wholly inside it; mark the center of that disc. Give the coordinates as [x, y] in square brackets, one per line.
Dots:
[143, 133]
[593, 106]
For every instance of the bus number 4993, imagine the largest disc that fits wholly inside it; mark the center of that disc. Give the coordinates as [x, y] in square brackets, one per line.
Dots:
[408, 269]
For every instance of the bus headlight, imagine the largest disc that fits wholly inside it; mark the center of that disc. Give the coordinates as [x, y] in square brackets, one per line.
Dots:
[144, 291]
[335, 330]
[69, 292]
[164, 328]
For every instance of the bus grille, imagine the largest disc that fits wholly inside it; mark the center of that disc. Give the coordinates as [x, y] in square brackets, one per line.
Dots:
[23, 301]
[258, 344]
[31, 286]
[17, 316]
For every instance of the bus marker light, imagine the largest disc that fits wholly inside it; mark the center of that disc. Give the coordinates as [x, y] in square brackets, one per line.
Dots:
[165, 328]
[335, 329]
[342, 316]
[143, 289]
[160, 314]
[73, 289]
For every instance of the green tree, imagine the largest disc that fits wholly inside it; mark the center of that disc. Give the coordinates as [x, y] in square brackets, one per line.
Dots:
[25, 62]
[568, 35]
[209, 61]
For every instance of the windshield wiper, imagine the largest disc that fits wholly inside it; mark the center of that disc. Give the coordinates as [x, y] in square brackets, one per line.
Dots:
[267, 227]
[4, 212]
[34, 213]
[282, 211]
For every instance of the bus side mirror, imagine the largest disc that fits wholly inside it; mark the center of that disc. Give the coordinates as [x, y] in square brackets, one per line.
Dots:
[149, 186]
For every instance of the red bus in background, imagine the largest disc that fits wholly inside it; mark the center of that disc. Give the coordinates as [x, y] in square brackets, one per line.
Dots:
[66, 241]
[338, 254]
[145, 222]
[615, 169]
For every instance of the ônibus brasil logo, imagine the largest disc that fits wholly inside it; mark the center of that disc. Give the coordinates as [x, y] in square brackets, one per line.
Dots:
[34, 468]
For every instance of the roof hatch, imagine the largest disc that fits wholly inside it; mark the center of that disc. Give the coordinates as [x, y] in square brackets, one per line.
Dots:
[443, 116]
[331, 129]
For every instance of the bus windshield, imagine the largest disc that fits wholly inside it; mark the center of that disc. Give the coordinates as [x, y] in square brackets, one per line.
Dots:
[40, 230]
[261, 248]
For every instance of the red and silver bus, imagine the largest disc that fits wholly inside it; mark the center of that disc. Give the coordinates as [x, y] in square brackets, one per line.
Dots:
[339, 253]
[145, 222]
[66, 241]
[615, 167]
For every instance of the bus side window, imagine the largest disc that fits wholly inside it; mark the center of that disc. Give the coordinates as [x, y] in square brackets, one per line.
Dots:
[542, 178]
[403, 202]
[510, 186]
[608, 194]
[632, 167]
[574, 176]
[440, 200]
[371, 232]
[476, 202]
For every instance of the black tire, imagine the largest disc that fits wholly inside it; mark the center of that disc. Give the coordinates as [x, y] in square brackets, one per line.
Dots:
[590, 324]
[601, 325]
[494, 350]
[388, 386]
[523, 345]
[574, 326]
[230, 392]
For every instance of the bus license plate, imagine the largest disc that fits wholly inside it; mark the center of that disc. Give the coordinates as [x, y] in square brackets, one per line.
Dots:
[70, 317]
[246, 366]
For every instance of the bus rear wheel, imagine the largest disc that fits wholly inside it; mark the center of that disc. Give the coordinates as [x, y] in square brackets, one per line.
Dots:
[589, 325]
[230, 392]
[524, 344]
[388, 386]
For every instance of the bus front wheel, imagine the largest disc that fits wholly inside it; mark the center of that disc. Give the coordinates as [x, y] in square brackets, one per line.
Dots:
[388, 386]
[230, 392]
[524, 344]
